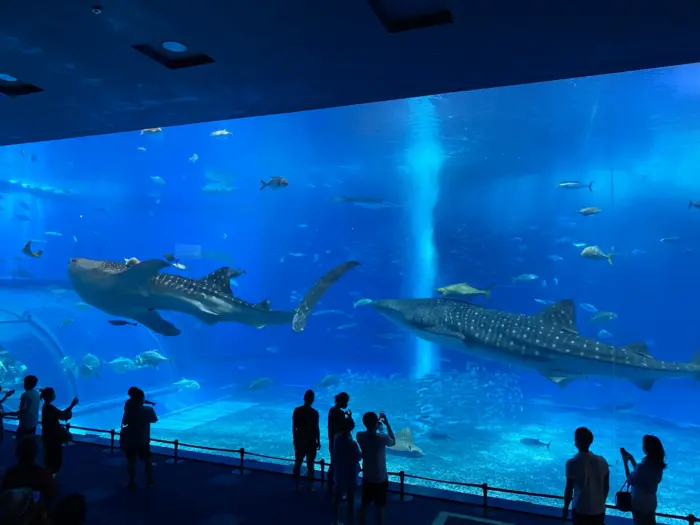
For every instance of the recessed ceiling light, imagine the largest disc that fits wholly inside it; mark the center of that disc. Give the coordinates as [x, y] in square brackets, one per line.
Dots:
[7, 78]
[174, 47]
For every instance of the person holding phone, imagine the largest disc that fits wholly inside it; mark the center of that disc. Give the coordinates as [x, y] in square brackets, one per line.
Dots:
[644, 479]
[135, 435]
[375, 480]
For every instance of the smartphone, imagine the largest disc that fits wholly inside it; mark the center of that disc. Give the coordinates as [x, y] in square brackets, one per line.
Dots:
[382, 416]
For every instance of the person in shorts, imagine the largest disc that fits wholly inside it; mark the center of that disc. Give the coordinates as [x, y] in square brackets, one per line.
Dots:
[375, 481]
[28, 409]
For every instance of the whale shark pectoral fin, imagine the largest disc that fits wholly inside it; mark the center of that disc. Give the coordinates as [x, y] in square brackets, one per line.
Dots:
[152, 320]
[142, 272]
[445, 333]
[219, 280]
[644, 384]
[559, 380]
[562, 313]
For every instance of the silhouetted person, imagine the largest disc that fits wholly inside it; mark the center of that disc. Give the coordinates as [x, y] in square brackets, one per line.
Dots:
[306, 435]
[18, 507]
[135, 437]
[26, 473]
[28, 409]
[4, 414]
[587, 483]
[346, 457]
[70, 510]
[336, 420]
[375, 480]
[644, 479]
[53, 434]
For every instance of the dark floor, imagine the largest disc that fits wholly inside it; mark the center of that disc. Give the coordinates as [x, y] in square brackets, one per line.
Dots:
[197, 493]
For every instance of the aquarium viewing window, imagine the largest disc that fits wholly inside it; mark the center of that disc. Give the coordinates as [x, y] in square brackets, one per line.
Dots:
[493, 269]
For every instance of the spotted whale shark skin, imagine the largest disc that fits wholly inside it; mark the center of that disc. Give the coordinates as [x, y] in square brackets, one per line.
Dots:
[139, 291]
[547, 342]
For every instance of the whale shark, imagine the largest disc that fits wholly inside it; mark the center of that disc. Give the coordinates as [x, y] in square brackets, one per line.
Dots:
[547, 342]
[139, 291]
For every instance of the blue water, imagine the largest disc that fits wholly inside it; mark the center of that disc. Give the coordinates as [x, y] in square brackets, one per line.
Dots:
[467, 192]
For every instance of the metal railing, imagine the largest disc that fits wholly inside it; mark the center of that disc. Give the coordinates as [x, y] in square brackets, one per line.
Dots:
[241, 467]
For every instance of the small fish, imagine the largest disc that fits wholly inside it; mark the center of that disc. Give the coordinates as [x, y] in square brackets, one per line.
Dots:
[275, 183]
[151, 130]
[297, 254]
[589, 307]
[65, 322]
[695, 204]
[53, 234]
[637, 252]
[603, 316]
[464, 289]
[575, 185]
[220, 133]
[157, 179]
[525, 277]
[361, 302]
[671, 239]
[27, 250]
[591, 210]
[131, 261]
[118, 322]
[531, 442]
[25, 205]
[545, 302]
[140, 148]
[22, 216]
[604, 334]
[346, 326]
[82, 306]
[555, 282]
[543, 284]
[594, 252]
[579, 244]
[178, 265]
[194, 158]
[555, 258]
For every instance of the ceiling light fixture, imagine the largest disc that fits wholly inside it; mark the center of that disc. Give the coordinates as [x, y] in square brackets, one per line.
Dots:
[174, 47]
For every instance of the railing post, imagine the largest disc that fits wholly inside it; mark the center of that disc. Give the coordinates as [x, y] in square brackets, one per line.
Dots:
[176, 451]
[485, 491]
[112, 435]
[692, 520]
[402, 488]
[241, 463]
[323, 470]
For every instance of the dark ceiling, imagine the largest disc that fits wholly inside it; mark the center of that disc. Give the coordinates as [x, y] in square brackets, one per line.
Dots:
[104, 70]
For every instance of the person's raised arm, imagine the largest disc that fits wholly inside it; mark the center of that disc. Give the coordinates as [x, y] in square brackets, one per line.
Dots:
[390, 433]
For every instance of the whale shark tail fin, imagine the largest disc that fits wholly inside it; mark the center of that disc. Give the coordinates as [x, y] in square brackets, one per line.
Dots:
[313, 296]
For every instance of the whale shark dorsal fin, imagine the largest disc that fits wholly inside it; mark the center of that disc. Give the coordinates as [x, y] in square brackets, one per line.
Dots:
[263, 305]
[640, 349]
[404, 435]
[219, 280]
[562, 313]
[143, 271]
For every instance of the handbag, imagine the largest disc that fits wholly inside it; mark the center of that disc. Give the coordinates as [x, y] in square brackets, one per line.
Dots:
[623, 498]
[64, 435]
